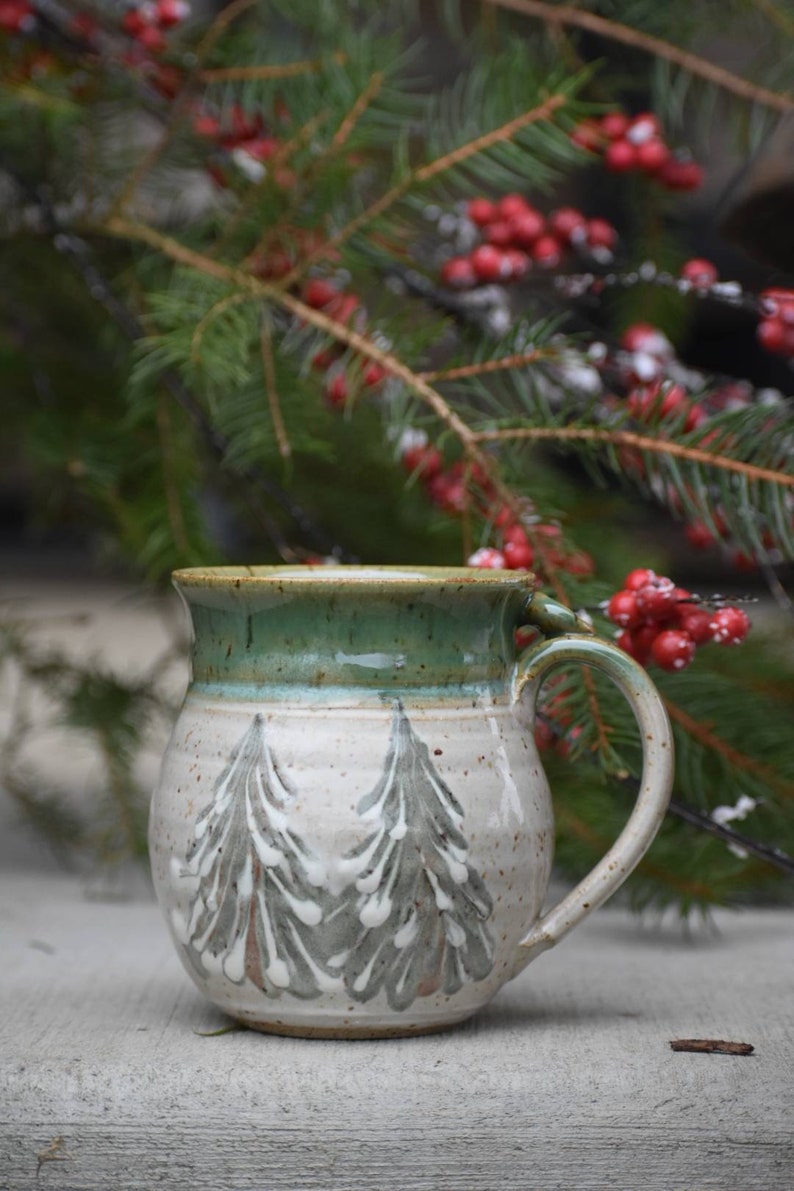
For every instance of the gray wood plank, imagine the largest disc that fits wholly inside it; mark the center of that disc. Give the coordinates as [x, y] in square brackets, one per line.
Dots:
[566, 1081]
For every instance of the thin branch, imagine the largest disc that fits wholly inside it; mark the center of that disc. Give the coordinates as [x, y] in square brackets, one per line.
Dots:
[352, 118]
[220, 25]
[424, 174]
[628, 438]
[565, 14]
[215, 311]
[485, 367]
[271, 389]
[281, 70]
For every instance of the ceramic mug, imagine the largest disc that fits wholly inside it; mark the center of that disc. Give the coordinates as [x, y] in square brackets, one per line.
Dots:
[352, 834]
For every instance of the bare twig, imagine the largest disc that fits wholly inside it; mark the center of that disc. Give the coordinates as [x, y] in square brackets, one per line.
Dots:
[280, 70]
[711, 1046]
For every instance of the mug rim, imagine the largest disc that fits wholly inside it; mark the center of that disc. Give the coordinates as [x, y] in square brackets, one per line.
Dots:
[358, 575]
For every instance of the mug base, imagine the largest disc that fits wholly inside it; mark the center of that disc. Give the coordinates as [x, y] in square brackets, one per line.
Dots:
[349, 1032]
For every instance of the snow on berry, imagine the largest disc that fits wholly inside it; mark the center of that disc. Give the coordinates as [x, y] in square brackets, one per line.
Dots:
[729, 626]
[673, 649]
[488, 557]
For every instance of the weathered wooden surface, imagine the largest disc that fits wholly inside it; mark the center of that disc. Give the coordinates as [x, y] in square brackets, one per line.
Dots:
[566, 1082]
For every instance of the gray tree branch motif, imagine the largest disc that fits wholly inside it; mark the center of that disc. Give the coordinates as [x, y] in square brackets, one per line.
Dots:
[260, 895]
[417, 910]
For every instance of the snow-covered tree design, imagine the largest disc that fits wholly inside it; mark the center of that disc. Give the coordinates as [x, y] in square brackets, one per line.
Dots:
[259, 895]
[414, 921]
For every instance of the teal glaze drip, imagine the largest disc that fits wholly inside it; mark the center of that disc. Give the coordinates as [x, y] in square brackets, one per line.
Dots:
[435, 630]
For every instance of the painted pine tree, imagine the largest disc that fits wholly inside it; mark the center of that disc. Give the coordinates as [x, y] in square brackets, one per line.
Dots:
[259, 896]
[417, 911]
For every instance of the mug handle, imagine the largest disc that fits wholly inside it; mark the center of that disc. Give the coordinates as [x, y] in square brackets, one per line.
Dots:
[656, 782]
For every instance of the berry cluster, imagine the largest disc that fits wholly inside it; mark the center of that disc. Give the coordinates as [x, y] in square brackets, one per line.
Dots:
[524, 541]
[635, 144]
[344, 307]
[776, 327]
[515, 236]
[16, 16]
[148, 23]
[665, 624]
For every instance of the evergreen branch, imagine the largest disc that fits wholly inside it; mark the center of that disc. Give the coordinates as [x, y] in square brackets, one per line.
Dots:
[486, 367]
[254, 191]
[564, 14]
[704, 735]
[422, 174]
[271, 389]
[76, 250]
[280, 296]
[215, 311]
[282, 70]
[219, 26]
[343, 132]
[642, 442]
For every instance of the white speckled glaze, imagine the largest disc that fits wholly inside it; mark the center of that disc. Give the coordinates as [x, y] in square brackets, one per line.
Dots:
[352, 834]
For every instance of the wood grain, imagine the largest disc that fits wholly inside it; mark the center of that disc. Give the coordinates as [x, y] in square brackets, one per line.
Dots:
[566, 1081]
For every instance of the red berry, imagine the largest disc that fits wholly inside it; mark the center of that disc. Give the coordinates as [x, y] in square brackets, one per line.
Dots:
[696, 416]
[151, 39]
[637, 642]
[771, 334]
[673, 650]
[15, 15]
[696, 622]
[515, 534]
[566, 222]
[622, 610]
[336, 389]
[699, 535]
[448, 492]
[135, 20]
[318, 292]
[680, 175]
[481, 211]
[500, 233]
[601, 234]
[342, 307]
[512, 205]
[373, 374]
[172, 12]
[656, 601]
[518, 556]
[620, 157]
[729, 626]
[488, 263]
[645, 337]
[458, 273]
[614, 125]
[487, 557]
[544, 735]
[206, 126]
[639, 578]
[652, 155]
[527, 227]
[425, 461]
[261, 148]
[700, 272]
[546, 252]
